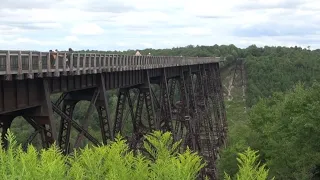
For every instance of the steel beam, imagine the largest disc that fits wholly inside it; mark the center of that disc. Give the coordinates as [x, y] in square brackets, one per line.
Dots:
[103, 111]
[85, 126]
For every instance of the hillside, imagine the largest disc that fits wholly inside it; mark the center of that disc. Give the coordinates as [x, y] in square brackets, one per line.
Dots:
[271, 74]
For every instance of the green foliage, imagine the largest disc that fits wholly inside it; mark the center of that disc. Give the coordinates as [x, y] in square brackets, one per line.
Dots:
[284, 136]
[277, 69]
[16, 164]
[112, 161]
[238, 129]
[167, 161]
[249, 168]
[286, 130]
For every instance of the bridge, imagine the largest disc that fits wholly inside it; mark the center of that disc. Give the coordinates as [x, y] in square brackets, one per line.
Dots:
[190, 103]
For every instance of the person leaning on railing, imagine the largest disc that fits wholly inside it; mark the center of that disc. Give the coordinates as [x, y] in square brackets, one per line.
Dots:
[53, 57]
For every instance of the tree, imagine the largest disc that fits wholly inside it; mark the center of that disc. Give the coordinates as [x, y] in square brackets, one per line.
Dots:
[286, 130]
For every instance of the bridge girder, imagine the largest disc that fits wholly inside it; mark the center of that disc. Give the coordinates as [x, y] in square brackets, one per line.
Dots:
[189, 104]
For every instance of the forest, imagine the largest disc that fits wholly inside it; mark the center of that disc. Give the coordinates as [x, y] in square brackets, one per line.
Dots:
[281, 122]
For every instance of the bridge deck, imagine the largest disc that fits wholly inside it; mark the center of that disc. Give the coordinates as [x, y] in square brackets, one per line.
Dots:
[30, 64]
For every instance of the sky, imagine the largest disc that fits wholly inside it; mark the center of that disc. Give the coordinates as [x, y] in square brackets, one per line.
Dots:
[139, 24]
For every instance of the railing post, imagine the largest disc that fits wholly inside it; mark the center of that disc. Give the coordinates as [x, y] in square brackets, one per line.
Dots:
[100, 63]
[57, 72]
[30, 74]
[144, 62]
[104, 63]
[116, 59]
[48, 65]
[19, 65]
[40, 65]
[8, 66]
[125, 62]
[71, 64]
[78, 64]
[84, 64]
[109, 63]
[95, 64]
[64, 64]
[90, 64]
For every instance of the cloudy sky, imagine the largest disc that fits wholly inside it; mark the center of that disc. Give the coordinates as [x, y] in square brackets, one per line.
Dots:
[137, 24]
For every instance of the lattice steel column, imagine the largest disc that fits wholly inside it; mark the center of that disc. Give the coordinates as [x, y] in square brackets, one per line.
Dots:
[46, 120]
[182, 128]
[65, 125]
[193, 108]
[121, 104]
[165, 105]
[144, 97]
[208, 149]
[172, 89]
[75, 125]
[216, 104]
[103, 111]
[221, 101]
[37, 129]
[93, 101]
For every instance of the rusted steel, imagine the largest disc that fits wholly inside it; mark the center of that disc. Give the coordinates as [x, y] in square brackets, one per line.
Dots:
[189, 102]
[165, 105]
[86, 118]
[120, 108]
[103, 111]
[78, 127]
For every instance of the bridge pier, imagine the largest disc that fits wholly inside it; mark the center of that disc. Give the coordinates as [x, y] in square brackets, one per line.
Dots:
[140, 124]
[39, 116]
[98, 99]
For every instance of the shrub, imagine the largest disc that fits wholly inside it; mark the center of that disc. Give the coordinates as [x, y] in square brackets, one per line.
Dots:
[112, 161]
[249, 168]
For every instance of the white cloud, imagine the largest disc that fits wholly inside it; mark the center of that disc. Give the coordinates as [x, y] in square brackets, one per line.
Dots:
[71, 38]
[136, 24]
[87, 29]
[197, 31]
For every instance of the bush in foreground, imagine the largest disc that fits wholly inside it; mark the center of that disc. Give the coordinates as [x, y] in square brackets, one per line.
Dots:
[112, 161]
[249, 168]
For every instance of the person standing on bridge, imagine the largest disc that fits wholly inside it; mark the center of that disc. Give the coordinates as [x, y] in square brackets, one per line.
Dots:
[70, 51]
[53, 57]
[138, 53]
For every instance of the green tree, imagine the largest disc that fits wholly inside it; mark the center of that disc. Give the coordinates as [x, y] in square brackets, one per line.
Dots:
[286, 131]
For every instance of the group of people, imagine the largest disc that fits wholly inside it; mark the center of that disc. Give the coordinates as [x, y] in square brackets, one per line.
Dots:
[54, 58]
[139, 54]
